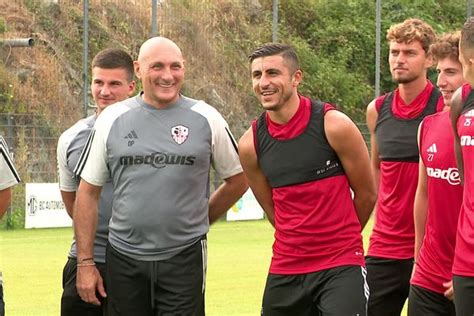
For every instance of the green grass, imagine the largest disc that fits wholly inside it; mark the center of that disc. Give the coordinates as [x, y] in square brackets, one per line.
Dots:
[239, 257]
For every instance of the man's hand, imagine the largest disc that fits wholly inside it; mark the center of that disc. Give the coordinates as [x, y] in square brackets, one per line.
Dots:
[88, 279]
[449, 293]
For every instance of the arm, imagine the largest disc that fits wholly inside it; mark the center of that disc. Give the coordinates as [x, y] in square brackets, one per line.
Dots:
[455, 112]
[69, 198]
[226, 195]
[255, 177]
[5, 200]
[420, 210]
[67, 182]
[371, 119]
[85, 223]
[347, 141]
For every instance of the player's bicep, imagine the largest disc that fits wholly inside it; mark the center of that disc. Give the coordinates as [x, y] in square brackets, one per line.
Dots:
[255, 177]
[347, 141]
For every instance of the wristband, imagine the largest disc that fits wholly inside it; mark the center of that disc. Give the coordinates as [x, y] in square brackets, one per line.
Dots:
[87, 264]
[84, 260]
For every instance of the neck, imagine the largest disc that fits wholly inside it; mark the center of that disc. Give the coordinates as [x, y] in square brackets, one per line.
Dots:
[410, 90]
[157, 104]
[284, 114]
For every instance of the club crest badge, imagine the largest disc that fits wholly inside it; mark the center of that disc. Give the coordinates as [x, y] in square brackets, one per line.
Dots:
[179, 133]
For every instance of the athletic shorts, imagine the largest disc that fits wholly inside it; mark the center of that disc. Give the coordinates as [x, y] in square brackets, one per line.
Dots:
[463, 295]
[337, 291]
[389, 283]
[2, 303]
[153, 288]
[424, 302]
[71, 302]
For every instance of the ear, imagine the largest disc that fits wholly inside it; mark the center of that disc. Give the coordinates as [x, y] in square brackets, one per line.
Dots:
[297, 77]
[131, 87]
[429, 61]
[136, 66]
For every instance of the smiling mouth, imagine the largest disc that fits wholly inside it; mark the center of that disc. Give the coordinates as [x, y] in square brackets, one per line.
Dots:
[447, 91]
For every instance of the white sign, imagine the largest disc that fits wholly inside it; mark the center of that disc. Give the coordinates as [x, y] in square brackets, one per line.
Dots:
[246, 208]
[44, 206]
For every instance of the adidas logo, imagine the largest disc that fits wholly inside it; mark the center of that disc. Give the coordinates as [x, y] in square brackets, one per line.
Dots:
[131, 137]
[432, 149]
[469, 113]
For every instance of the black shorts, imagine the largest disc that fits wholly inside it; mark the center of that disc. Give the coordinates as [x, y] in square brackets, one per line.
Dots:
[337, 291]
[425, 302]
[2, 304]
[389, 283]
[71, 302]
[463, 295]
[150, 288]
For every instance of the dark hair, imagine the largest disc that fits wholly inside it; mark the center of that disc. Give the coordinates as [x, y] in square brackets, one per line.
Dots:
[271, 49]
[467, 34]
[112, 58]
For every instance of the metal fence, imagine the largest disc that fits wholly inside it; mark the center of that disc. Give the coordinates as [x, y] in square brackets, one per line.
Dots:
[32, 142]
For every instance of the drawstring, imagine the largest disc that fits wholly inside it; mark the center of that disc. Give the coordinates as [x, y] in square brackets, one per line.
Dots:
[152, 283]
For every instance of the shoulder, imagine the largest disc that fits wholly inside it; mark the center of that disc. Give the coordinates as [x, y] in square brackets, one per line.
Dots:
[111, 113]
[372, 107]
[246, 145]
[457, 102]
[432, 118]
[68, 135]
[204, 109]
[338, 125]
[376, 103]
[210, 114]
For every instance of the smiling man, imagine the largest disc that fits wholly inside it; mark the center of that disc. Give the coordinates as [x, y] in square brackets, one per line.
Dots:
[302, 158]
[157, 150]
[112, 81]
[439, 194]
[393, 120]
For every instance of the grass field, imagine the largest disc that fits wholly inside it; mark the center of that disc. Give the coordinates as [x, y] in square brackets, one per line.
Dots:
[239, 256]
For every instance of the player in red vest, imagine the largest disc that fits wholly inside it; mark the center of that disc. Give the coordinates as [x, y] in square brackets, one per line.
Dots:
[393, 121]
[302, 157]
[438, 195]
[462, 114]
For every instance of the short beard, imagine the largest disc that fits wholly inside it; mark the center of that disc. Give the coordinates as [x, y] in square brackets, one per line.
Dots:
[404, 80]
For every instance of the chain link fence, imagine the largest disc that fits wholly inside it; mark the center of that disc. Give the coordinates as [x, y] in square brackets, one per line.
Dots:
[32, 142]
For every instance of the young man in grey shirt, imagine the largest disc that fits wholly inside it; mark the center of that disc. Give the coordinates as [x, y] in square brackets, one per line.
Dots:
[112, 81]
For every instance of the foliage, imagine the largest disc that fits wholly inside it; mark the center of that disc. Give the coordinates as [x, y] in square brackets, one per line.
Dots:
[3, 26]
[336, 43]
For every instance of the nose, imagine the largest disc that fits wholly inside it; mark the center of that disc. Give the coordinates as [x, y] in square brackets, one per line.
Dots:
[166, 74]
[400, 58]
[105, 90]
[264, 81]
[441, 82]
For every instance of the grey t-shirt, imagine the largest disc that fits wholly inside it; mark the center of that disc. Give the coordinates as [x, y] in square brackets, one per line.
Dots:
[159, 162]
[70, 146]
